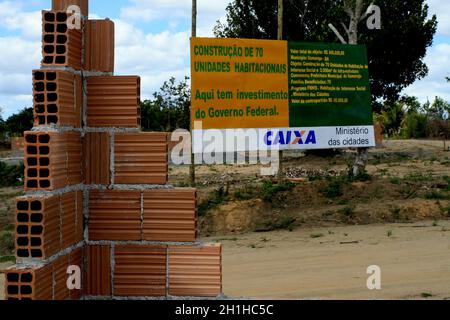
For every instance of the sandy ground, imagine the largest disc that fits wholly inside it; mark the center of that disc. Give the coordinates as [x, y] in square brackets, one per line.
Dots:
[320, 263]
[3, 266]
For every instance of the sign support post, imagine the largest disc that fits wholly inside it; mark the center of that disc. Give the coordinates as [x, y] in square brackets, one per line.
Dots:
[280, 37]
[193, 35]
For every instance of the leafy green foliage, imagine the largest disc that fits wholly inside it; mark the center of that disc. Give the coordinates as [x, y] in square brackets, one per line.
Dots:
[269, 189]
[18, 123]
[334, 188]
[170, 108]
[215, 199]
[395, 52]
[11, 175]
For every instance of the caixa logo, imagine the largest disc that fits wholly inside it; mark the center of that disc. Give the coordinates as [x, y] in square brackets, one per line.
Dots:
[302, 137]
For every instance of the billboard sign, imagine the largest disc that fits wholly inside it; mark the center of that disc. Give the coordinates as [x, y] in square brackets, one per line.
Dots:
[279, 94]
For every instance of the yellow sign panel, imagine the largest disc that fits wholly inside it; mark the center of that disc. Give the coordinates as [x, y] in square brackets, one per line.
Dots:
[239, 83]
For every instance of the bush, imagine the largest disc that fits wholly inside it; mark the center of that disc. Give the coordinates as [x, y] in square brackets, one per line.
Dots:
[269, 189]
[415, 126]
[215, 199]
[334, 188]
[11, 175]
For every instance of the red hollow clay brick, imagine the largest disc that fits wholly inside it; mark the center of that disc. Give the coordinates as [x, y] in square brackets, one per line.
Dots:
[195, 271]
[76, 259]
[98, 271]
[140, 271]
[29, 284]
[48, 224]
[57, 98]
[61, 5]
[141, 158]
[96, 162]
[113, 101]
[114, 215]
[61, 46]
[71, 211]
[61, 291]
[99, 46]
[170, 215]
[37, 227]
[52, 160]
[48, 282]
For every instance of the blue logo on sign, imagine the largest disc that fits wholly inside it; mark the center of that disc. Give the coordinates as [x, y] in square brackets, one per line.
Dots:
[294, 137]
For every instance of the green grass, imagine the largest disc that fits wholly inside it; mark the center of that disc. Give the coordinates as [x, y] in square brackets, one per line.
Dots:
[269, 189]
[426, 295]
[437, 195]
[5, 259]
[6, 243]
[334, 189]
[395, 181]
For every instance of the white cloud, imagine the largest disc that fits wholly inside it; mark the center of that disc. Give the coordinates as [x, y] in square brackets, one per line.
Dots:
[438, 61]
[442, 10]
[209, 11]
[14, 19]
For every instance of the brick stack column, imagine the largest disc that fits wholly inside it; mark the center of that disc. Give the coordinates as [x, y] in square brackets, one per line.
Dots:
[97, 187]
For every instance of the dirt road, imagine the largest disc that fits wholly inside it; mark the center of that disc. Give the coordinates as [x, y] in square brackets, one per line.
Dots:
[325, 264]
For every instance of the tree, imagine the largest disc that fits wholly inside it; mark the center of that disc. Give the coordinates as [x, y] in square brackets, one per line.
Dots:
[170, 108]
[18, 123]
[439, 109]
[395, 52]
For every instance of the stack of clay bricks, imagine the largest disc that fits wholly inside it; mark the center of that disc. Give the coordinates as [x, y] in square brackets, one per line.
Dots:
[97, 197]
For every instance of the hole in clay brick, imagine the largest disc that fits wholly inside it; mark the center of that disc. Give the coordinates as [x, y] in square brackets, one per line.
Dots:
[22, 242]
[32, 184]
[52, 97]
[61, 39]
[32, 173]
[26, 290]
[60, 60]
[36, 206]
[41, 120]
[49, 16]
[39, 108]
[31, 138]
[44, 162]
[22, 205]
[49, 49]
[37, 230]
[47, 60]
[23, 253]
[31, 150]
[61, 17]
[39, 98]
[12, 277]
[44, 150]
[49, 38]
[52, 119]
[39, 86]
[60, 49]
[36, 253]
[52, 108]
[51, 86]
[37, 218]
[44, 173]
[39, 76]
[51, 76]
[22, 229]
[13, 290]
[45, 138]
[36, 242]
[49, 27]
[44, 184]
[32, 162]
[61, 28]
[22, 218]
[26, 278]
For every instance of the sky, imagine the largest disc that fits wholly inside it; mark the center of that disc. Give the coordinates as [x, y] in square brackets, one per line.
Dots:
[152, 41]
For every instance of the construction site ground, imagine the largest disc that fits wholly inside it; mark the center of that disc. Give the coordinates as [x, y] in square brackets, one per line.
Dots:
[314, 237]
